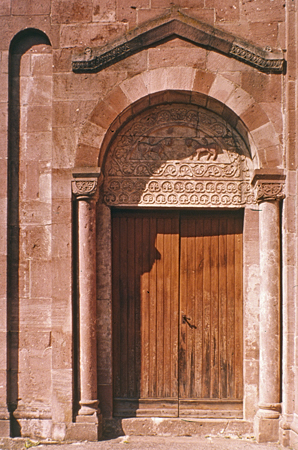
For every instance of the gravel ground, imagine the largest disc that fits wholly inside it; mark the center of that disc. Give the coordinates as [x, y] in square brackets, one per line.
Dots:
[144, 443]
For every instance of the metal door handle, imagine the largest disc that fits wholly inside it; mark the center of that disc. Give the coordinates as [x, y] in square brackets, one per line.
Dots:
[187, 320]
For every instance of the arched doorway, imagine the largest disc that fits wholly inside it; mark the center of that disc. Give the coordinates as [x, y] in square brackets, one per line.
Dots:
[173, 152]
[177, 177]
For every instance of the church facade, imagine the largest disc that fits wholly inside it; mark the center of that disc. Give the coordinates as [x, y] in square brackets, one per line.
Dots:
[149, 229]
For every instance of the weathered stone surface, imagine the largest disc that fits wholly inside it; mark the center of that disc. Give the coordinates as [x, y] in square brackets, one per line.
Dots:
[54, 122]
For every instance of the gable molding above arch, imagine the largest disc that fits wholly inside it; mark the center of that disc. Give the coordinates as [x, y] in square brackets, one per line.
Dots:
[173, 25]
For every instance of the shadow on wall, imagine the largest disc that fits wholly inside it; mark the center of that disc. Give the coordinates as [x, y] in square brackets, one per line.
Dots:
[20, 44]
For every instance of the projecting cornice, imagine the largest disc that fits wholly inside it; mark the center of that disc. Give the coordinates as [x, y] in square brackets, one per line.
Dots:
[171, 26]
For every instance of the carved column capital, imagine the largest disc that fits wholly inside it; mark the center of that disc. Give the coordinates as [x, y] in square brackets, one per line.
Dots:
[269, 185]
[86, 183]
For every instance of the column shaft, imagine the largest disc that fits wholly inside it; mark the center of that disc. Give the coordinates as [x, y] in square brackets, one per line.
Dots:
[267, 419]
[88, 422]
[87, 306]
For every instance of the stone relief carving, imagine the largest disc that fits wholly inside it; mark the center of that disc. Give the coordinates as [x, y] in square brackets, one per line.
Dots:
[269, 190]
[256, 60]
[84, 188]
[178, 155]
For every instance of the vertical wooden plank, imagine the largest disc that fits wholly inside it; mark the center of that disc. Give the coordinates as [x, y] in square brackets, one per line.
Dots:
[238, 308]
[116, 305]
[206, 309]
[131, 305]
[223, 306]
[190, 299]
[230, 308]
[145, 312]
[198, 316]
[152, 309]
[167, 319]
[160, 307]
[183, 380]
[123, 307]
[137, 289]
[214, 322]
[174, 304]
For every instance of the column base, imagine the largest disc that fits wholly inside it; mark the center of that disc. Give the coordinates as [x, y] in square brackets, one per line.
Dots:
[85, 428]
[266, 425]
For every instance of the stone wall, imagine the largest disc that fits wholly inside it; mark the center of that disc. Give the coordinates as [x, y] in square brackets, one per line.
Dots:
[56, 122]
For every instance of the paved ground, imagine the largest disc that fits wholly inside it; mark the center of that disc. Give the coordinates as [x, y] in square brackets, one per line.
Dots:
[144, 443]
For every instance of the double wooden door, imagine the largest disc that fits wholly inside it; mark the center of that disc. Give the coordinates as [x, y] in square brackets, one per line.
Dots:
[177, 314]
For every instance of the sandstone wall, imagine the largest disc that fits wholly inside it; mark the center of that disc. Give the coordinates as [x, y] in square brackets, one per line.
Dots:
[53, 120]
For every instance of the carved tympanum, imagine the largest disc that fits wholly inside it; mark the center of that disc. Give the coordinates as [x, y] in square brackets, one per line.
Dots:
[178, 155]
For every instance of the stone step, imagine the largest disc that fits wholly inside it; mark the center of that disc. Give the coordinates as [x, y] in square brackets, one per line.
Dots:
[155, 426]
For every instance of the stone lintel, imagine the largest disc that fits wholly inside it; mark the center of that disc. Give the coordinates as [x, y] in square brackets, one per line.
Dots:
[269, 184]
[172, 25]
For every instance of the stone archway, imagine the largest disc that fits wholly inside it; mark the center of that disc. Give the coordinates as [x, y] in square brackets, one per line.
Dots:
[203, 153]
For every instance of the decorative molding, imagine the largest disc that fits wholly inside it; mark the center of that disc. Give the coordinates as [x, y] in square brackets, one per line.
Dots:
[269, 184]
[173, 25]
[178, 155]
[86, 182]
[266, 190]
[255, 59]
[180, 193]
[22, 412]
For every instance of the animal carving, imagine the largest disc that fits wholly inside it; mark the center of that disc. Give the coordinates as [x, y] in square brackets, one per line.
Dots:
[203, 147]
[154, 151]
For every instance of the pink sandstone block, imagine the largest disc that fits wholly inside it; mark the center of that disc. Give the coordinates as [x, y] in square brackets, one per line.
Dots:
[180, 78]
[135, 88]
[71, 11]
[221, 89]
[239, 101]
[92, 134]
[90, 35]
[265, 136]
[155, 80]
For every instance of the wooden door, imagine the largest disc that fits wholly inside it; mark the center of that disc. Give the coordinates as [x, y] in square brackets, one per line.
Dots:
[210, 345]
[177, 314]
[145, 313]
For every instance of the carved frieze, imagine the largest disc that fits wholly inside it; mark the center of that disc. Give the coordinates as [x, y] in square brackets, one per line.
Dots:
[178, 155]
[256, 59]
